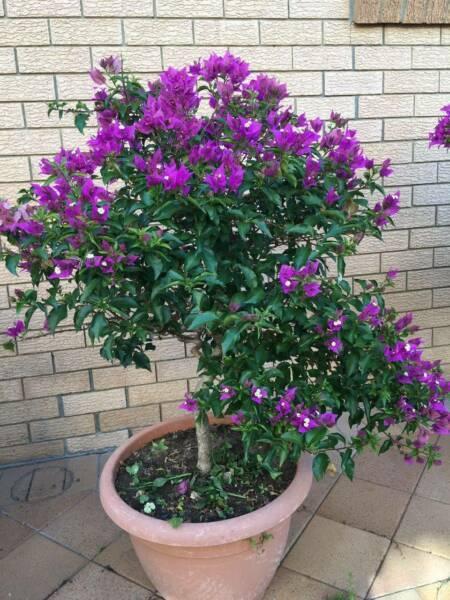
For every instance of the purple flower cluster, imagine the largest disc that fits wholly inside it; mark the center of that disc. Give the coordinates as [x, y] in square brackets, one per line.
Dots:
[303, 418]
[15, 330]
[440, 136]
[386, 209]
[189, 403]
[290, 278]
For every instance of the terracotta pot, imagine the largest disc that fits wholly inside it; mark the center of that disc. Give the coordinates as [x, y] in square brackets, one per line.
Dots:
[224, 560]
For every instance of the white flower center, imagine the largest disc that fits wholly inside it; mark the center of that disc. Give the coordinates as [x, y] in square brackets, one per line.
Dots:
[57, 270]
[337, 322]
[166, 178]
[258, 393]
[104, 263]
[101, 210]
[407, 347]
[288, 283]
[89, 255]
[226, 390]
[306, 422]
[333, 344]
[406, 373]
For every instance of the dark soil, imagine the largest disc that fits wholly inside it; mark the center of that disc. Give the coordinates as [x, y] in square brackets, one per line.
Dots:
[232, 488]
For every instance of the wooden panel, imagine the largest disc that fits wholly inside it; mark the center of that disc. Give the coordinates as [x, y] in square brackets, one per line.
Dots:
[401, 11]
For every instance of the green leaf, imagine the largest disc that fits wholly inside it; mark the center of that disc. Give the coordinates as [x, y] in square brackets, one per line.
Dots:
[141, 360]
[11, 261]
[230, 338]
[348, 464]
[55, 316]
[320, 464]
[80, 121]
[98, 326]
[385, 446]
[202, 319]
[293, 437]
[159, 482]
[81, 314]
[9, 345]
[175, 522]
[299, 229]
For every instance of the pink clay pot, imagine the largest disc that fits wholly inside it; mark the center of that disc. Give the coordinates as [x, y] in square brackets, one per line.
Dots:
[224, 560]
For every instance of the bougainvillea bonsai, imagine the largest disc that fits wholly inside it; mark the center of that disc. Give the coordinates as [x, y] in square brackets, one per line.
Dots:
[205, 209]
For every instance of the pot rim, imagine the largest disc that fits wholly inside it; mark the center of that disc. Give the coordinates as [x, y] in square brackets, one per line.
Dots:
[196, 534]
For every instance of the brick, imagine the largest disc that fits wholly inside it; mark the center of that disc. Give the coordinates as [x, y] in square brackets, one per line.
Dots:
[404, 261]
[97, 441]
[156, 393]
[25, 366]
[11, 435]
[47, 343]
[322, 106]
[113, 377]
[169, 410]
[431, 194]
[85, 31]
[384, 57]
[369, 130]
[31, 141]
[415, 217]
[407, 301]
[430, 104]
[26, 452]
[392, 240]
[181, 8]
[26, 87]
[266, 58]
[177, 369]
[159, 31]
[386, 106]
[74, 360]
[319, 9]
[444, 85]
[11, 390]
[43, 8]
[423, 153]
[396, 82]
[256, 9]
[4, 299]
[441, 297]
[301, 83]
[10, 190]
[117, 8]
[54, 59]
[361, 264]
[53, 429]
[312, 58]
[352, 82]
[429, 237]
[61, 383]
[73, 138]
[129, 417]
[78, 404]
[182, 56]
[14, 168]
[135, 58]
[441, 335]
[411, 35]
[400, 283]
[442, 353]
[11, 116]
[7, 60]
[443, 215]
[398, 152]
[413, 173]
[36, 116]
[20, 32]
[442, 257]
[27, 410]
[167, 349]
[231, 32]
[74, 87]
[344, 32]
[406, 129]
[444, 171]
[429, 57]
[285, 33]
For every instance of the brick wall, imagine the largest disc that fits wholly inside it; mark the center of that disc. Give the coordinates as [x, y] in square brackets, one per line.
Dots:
[56, 395]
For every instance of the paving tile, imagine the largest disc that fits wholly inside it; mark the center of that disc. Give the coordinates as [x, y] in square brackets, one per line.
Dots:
[319, 490]
[435, 482]
[97, 583]
[36, 568]
[85, 528]
[11, 535]
[435, 591]
[426, 525]
[11, 476]
[299, 521]
[332, 553]
[389, 469]
[288, 585]
[365, 505]
[405, 568]
[121, 558]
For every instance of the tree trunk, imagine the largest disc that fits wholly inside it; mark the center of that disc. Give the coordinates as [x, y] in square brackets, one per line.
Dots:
[203, 443]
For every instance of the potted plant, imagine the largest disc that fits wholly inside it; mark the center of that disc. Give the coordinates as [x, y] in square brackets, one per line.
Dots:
[207, 210]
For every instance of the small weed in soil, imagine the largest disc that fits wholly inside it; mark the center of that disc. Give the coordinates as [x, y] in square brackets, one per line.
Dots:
[161, 479]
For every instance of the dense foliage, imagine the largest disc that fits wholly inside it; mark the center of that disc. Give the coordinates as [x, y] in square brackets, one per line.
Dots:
[207, 210]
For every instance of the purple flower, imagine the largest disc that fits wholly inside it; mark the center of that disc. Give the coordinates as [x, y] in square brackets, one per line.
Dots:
[386, 209]
[303, 419]
[441, 134]
[309, 269]
[287, 277]
[370, 313]
[332, 196]
[258, 394]
[316, 124]
[227, 392]
[335, 325]
[328, 419]
[16, 329]
[403, 322]
[392, 274]
[64, 268]
[217, 180]
[334, 344]
[311, 289]
[183, 487]
[111, 64]
[175, 178]
[97, 76]
[385, 170]
[237, 418]
[284, 404]
[189, 403]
